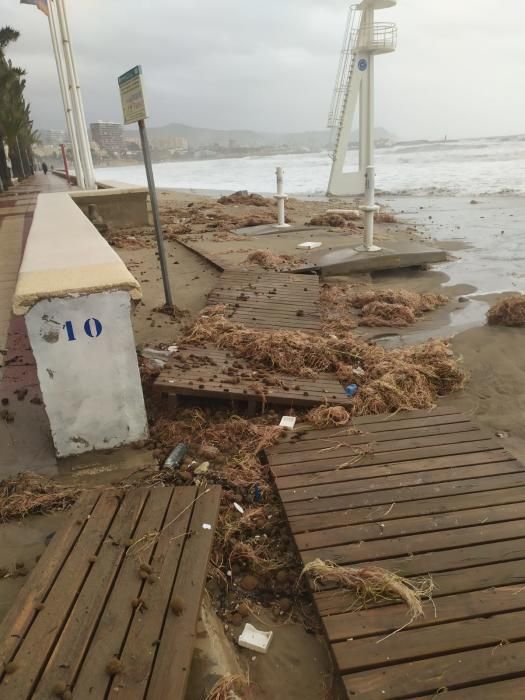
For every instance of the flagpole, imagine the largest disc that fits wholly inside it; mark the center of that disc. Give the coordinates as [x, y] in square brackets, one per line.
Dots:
[59, 60]
[78, 109]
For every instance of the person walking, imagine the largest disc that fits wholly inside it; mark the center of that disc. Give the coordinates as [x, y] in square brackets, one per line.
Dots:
[44, 168]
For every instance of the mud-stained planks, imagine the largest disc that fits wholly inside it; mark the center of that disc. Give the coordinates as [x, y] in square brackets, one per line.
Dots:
[421, 493]
[103, 589]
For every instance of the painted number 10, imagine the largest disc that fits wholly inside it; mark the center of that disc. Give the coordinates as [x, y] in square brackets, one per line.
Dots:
[92, 328]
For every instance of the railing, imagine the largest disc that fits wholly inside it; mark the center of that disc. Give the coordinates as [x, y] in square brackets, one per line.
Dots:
[380, 36]
[344, 69]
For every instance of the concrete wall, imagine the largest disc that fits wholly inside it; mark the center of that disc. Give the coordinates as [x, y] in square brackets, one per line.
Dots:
[87, 368]
[117, 207]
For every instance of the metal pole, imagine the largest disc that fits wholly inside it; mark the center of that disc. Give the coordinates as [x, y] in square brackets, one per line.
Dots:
[281, 198]
[155, 211]
[76, 98]
[64, 158]
[59, 60]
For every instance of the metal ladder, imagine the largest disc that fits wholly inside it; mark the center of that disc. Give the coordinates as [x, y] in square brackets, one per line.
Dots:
[343, 78]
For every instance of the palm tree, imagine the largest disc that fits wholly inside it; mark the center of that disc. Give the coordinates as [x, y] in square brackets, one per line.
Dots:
[16, 125]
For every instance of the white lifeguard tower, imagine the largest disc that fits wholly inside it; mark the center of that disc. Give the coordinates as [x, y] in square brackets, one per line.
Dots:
[364, 39]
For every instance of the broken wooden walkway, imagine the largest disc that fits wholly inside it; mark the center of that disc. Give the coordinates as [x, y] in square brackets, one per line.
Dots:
[88, 600]
[433, 494]
[209, 372]
[271, 300]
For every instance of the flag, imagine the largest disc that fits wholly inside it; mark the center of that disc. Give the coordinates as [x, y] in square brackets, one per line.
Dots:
[41, 4]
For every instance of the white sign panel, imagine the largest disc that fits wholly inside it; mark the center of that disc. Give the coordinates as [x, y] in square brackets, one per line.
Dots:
[132, 95]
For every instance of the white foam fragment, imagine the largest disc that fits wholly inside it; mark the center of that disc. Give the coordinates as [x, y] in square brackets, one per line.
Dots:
[254, 639]
[288, 422]
[310, 245]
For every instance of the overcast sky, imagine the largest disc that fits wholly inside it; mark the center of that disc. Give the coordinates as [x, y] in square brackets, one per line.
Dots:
[270, 64]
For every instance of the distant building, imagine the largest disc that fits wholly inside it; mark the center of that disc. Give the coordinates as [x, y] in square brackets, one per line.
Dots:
[109, 136]
[52, 137]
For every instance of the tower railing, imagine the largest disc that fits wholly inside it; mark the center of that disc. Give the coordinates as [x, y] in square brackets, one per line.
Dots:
[380, 37]
[344, 70]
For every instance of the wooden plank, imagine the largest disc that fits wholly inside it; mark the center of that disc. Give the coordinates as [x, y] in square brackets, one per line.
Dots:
[340, 450]
[404, 415]
[173, 661]
[48, 623]
[378, 622]
[384, 458]
[417, 465]
[92, 680]
[70, 648]
[335, 602]
[410, 509]
[511, 689]
[396, 481]
[423, 524]
[426, 642]
[429, 675]
[365, 437]
[22, 613]
[304, 433]
[145, 633]
[411, 493]
[420, 543]
[451, 559]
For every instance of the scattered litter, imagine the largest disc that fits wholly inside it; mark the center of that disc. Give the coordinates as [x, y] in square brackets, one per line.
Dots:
[359, 371]
[288, 422]
[239, 508]
[257, 493]
[254, 639]
[206, 526]
[154, 354]
[327, 416]
[172, 349]
[310, 245]
[502, 434]
[176, 456]
[351, 390]
[202, 468]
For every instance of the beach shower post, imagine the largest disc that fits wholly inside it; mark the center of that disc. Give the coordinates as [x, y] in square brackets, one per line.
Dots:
[369, 209]
[281, 198]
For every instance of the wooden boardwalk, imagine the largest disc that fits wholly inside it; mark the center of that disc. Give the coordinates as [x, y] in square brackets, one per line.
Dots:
[208, 372]
[434, 495]
[103, 589]
[272, 300]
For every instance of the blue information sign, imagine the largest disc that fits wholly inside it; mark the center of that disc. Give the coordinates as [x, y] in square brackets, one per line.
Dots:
[363, 64]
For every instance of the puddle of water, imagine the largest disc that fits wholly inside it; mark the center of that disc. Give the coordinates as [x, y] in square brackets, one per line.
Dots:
[471, 315]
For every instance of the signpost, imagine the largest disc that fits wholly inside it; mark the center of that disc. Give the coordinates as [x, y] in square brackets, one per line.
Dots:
[134, 110]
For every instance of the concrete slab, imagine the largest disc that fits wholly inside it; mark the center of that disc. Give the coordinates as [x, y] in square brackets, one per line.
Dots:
[268, 229]
[399, 254]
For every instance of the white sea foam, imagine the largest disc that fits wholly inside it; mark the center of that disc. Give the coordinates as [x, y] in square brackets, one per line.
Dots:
[469, 167]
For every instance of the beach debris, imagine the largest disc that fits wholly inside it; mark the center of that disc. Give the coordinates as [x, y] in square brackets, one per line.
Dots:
[238, 507]
[206, 526]
[508, 312]
[385, 217]
[371, 584]
[379, 313]
[231, 687]
[177, 605]
[114, 666]
[502, 434]
[328, 416]
[310, 245]
[271, 261]
[202, 468]
[288, 422]
[29, 493]
[254, 639]
[332, 220]
[351, 390]
[176, 456]
[245, 197]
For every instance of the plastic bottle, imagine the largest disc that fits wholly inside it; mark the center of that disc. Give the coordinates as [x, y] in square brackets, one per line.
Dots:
[176, 456]
[351, 390]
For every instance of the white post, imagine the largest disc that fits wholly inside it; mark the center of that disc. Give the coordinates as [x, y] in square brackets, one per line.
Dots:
[59, 60]
[369, 209]
[281, 198]
[76, 97]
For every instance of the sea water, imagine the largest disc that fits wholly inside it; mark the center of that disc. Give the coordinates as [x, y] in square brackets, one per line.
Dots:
[472, 167]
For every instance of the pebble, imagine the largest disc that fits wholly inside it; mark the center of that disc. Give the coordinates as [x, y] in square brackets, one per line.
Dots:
[243, 610]
[186, 476]
[249, 583]
[202, 468]
[236, 619]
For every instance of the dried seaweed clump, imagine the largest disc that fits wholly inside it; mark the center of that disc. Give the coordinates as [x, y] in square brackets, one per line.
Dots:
[29, 493]
[372, 584]
[271, 261]
[333, 220]
[231, 688]
[389, 380]
[379, 313]
[328, 416]
[507, 312]
[245, 197]
[417, 302]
